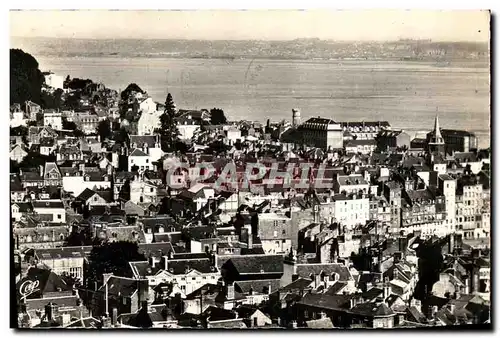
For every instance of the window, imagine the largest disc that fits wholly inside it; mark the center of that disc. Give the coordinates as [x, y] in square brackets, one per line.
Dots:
[275, 233]
[58, 216]
[151, 190]
[147, 160]
[255, 321]
[283, 232]
[194, 278]
[132, 161]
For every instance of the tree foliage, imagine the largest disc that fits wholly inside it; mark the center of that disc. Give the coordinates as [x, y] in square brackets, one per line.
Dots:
[26, 79]
[217, 116]
[104, 129]
[78, 84]
[52, 100]
[168, 131]
[34, 160]
[131, 88]
[121, 136]
[112, 258]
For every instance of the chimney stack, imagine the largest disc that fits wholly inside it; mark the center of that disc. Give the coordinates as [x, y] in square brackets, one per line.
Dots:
[230, 290]
[114, 317]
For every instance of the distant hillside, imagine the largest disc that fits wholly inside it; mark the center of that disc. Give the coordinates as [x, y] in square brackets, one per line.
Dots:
[294, 49]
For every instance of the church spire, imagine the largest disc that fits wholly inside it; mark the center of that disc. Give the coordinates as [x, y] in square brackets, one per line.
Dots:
[438, 138]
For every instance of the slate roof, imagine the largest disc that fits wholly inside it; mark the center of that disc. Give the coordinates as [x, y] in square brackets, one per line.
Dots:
[122, 286]
[372, 310]
[257, 264]
[259, 286]
[299, 284]
[305, 270]
[15, 183]
[150, 140]
[155, 249]
[143, 269]
[329, 302]
[24, 206]
[48, 281]
[138, 152]
[336, 288]
[63, 252]
[180, 267]
[48, 204]
[86, 194]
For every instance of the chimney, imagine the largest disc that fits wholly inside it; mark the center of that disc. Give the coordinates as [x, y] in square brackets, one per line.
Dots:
[397, 257]
[105, 277]
[230, 291]
[351, 303]
[51, 311]
[40, 167]
[395, 273]
[269, 289]
[387, 291]
[114, 317]
[152, 261]
[434, 311]
[451, 307]
[294, 324]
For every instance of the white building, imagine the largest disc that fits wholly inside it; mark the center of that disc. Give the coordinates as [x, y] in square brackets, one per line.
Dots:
[233, 134]
[350, 210]
[53, 208]
[188, 274]
[142, 191]
[75, 181]
[141, 159]
[448, 186]
[54, 81]
[53, 119]
[148, 122]
[351, 184]
[17, 119]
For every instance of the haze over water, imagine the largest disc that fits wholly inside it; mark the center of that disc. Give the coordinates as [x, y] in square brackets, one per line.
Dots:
[407, 94]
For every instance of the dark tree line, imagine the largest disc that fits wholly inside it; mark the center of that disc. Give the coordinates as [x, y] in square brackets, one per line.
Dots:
[26, 80]
[113, 258]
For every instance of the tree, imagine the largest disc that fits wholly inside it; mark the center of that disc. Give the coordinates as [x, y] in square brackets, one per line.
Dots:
[51, 100]
[217, 116]
[112, 258]
[79, 84]
[35, 160]
[125, 95]
[121, 136]
[168, 131]
[67, 125]
[104, 129]
[26, 79]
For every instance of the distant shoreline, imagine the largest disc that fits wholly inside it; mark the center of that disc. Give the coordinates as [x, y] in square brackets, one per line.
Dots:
[476, 63]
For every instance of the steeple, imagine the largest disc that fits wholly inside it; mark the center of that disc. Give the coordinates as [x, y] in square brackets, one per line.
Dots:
[437, 137]
[436, 141]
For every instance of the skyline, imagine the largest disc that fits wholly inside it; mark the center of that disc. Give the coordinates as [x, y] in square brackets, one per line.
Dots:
[392, 25]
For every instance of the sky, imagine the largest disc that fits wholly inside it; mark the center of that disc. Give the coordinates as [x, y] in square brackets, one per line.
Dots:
[346, 25]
